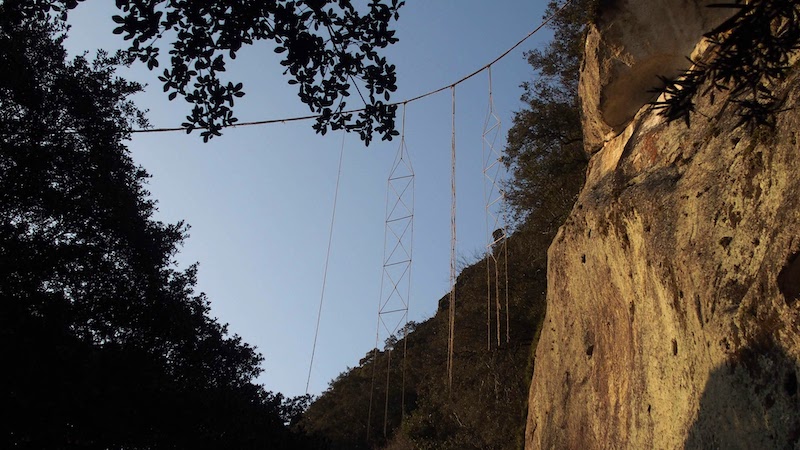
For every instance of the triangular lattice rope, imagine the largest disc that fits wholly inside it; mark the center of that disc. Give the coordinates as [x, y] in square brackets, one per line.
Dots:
[397, 260]
[496, 226]
[397, 243]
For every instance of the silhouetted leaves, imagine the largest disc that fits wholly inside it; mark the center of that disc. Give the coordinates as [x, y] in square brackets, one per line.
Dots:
[105, 343]
[326, 46]
[750, 53]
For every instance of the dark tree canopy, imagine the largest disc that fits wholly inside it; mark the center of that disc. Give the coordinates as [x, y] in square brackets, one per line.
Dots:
[544, 150]
[328, 47]
[105, 343]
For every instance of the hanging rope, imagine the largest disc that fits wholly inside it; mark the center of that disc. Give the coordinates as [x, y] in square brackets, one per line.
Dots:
[452, 316]
[398, 246]
[496, 227]
[386, 404]
[403, 382]
[327, 260]
[372, 384]
[410, 100]
[486, 195]
[505, 264]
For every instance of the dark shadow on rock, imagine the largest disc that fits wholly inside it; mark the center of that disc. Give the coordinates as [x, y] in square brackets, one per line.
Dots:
[751, 402]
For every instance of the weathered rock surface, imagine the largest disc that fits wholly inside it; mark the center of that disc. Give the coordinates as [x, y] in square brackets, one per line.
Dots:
[673, 318]
[629, 46]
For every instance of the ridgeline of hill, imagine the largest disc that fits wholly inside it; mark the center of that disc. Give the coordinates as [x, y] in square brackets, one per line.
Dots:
[487, 404]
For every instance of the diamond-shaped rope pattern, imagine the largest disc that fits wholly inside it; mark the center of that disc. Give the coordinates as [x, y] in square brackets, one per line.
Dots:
[496, 226]
[397, 259]
[399, 233]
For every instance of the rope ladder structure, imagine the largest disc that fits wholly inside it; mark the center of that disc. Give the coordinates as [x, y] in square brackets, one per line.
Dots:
[396, 277]
[397, 272]
[399, 230]
[496, 226]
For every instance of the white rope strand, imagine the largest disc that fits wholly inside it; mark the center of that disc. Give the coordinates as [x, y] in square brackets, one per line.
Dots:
[496, 228]
[398, 243]
[452, 315]
[327, 260]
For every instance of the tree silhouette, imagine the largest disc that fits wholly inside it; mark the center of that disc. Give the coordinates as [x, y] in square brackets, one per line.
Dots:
[104, 342]
[327, 46]
[544, 150]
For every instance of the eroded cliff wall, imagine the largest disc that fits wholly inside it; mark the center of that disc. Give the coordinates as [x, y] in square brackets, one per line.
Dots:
[629, 46]
[673, 318]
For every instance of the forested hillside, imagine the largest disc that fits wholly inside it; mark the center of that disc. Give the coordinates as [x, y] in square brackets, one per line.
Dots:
[488, 399]
[487, 404]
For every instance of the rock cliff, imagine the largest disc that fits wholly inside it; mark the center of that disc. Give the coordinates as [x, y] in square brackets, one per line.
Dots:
[673, 287]
[628, 47]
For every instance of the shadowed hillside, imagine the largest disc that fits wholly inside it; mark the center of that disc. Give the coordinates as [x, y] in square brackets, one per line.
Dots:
[487, 404]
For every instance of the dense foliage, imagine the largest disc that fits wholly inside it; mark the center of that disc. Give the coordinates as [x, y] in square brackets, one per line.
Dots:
[487, 406]
[544, 151]
[105, 344]
[326, 44]
[751, 52]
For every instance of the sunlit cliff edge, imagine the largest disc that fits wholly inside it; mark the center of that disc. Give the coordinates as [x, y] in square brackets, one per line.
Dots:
[672, 313]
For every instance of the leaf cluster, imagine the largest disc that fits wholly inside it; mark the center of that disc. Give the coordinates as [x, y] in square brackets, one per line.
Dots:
[326, 46]
[751, 52]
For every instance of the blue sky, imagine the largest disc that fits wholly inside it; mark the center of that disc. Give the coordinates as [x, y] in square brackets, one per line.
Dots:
[259, 199]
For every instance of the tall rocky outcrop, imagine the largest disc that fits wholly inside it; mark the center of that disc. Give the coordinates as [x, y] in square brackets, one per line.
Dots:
[673, 318]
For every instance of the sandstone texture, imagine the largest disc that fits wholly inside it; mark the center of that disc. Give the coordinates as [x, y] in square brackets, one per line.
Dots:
[673, 315]
[629, 46]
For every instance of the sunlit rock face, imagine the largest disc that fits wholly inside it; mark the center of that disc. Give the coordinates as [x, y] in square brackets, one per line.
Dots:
[673, 316]
[629, 46]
